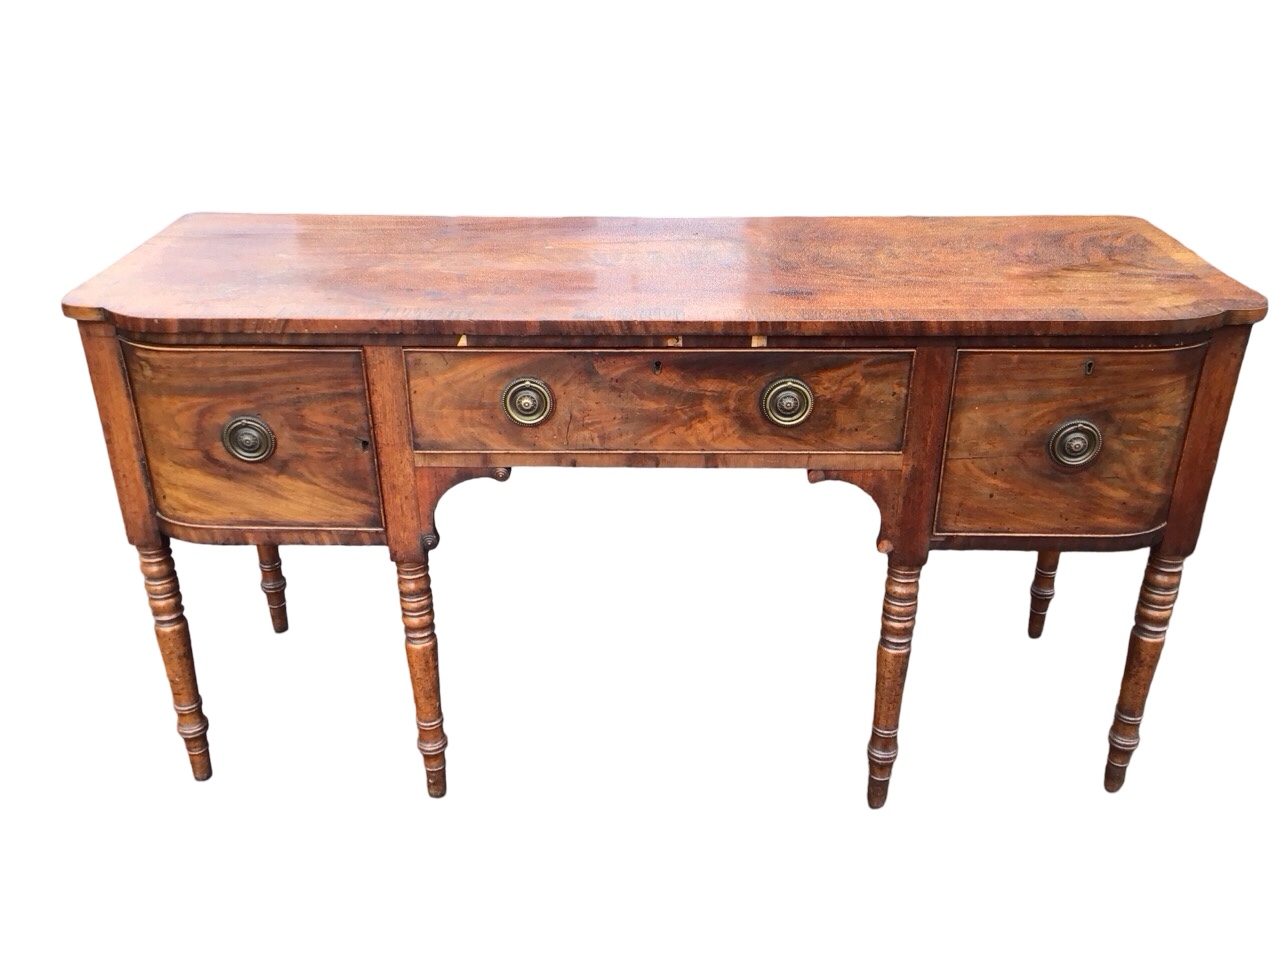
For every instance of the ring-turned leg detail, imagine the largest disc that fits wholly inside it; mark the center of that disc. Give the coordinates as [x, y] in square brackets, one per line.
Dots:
[424, 669]
[174, 638]
[1042, 590]
[897, 625]
[273, 584]
[1151, 621]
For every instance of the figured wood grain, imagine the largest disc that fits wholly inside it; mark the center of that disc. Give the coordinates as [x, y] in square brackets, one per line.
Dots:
[657, 402]
[322, 473]
[905, 490]
[120, 430]
[389, 404]
[891, 276]
[926, 432]
[819, 462]
[251, 535]
[1205, 429]
[998, 477]
[360, 339]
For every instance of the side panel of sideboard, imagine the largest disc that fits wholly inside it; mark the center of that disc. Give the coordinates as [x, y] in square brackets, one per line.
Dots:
[120, 430]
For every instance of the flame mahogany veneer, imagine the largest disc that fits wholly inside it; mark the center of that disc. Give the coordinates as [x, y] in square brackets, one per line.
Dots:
[1027, 383]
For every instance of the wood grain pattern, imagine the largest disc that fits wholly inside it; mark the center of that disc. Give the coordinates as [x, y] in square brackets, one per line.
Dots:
[909, 539]
[418, 613]
[273, 584]
[322, 473]
[251, 536]
[906, 489]
[897, 627]
[1042, 590]
[998, 477]
[1151, 621]
[1205, 429]
[818, 462]
[174, 637]
[120, 430]
[389, 404]
[624, 401]
[890, 276]
[942, 353]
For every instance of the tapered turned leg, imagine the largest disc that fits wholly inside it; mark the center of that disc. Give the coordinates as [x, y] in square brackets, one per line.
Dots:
[175, 647]
[424, 669]
[1042, 590]
[897, 624]
[1155, 607]
[273, 585]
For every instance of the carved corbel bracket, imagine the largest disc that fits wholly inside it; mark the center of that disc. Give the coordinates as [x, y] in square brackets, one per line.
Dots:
[882, 486]
[434, 482]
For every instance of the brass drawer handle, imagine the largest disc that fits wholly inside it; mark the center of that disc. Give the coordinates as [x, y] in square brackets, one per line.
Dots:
[787, 402]
[248, 439]
[527, 401]
[1075, 443]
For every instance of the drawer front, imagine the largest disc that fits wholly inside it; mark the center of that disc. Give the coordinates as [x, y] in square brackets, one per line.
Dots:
[321, 472]
[657, 402]
[999, 476]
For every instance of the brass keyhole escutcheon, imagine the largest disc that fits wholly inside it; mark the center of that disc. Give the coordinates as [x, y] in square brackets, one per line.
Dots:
[787, 402]
[249, 439]
[1075, 443]
[527, 401]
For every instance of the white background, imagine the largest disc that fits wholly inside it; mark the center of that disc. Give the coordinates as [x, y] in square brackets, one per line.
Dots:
[657, 684]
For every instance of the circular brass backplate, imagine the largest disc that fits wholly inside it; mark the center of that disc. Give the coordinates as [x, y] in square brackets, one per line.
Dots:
[249, 439]
[787, 402]
[527, 401]
[1075, 443]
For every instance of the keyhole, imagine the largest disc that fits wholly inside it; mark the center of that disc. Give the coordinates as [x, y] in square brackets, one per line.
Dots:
[657, 366]
[1088, 368]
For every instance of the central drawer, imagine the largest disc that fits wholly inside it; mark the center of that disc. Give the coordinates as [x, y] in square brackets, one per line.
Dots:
[657, 402]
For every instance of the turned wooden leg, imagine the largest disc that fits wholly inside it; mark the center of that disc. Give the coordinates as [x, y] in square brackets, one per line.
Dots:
[1042, 590]
[273, 584]
[1155, 607]
[175, 647]
[424, 669]
[897, 624]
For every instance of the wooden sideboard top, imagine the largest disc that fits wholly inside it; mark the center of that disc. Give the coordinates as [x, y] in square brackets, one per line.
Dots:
[893, 276]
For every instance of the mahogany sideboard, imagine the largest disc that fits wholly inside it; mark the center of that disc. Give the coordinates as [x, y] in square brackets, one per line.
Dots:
[1035, 383]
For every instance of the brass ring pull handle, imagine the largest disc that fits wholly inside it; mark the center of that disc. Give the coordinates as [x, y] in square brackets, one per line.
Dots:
[527, 401]
[787, 402]
[248, 439]
[1075, 443]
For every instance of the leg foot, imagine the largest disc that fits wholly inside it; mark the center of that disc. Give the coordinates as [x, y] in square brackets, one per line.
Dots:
[1151, 621]
[877, 792]
[174, 637]
[273, 584]
[1042, 590]
[1114, 778]
[897, 625]
[424, 669]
